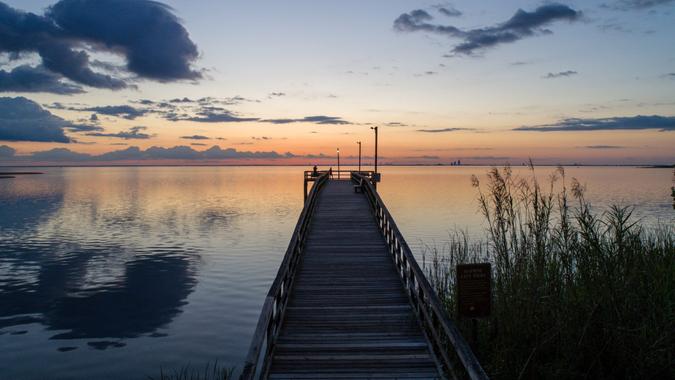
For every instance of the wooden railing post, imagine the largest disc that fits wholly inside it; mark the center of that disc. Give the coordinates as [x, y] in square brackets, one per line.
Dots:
[443, 335]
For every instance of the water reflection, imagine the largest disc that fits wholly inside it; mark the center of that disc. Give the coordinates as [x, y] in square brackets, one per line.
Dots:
[71, 270]
[116, 272]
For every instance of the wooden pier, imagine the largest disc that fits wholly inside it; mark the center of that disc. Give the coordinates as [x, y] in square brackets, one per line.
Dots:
[350, 301]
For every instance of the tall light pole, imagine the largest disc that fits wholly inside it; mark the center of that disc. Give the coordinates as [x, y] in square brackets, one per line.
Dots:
[375, 129]
[359, 142]
[338, 154]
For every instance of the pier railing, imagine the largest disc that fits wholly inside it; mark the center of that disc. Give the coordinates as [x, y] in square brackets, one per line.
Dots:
[272, 315]
[452, 352]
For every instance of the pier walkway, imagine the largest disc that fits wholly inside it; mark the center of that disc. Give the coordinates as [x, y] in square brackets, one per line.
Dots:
[349, 300]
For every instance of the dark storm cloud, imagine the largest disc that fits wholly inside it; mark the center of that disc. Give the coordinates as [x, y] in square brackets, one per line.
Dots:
[444, 130]
[319, 119]
[560, 74]
[26, 78]
[521, 25]
[195, 137]
[134, 133]
[22, 119]
[640, 122]
[146, 33]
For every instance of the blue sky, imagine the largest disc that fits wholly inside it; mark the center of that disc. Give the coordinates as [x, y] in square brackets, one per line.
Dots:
[613, 61]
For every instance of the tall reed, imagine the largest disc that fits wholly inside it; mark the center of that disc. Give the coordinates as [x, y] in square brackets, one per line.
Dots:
[576, 293]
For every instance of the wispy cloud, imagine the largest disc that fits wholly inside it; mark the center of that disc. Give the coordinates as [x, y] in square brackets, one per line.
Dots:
[123, 111]
[560, 74]
[210, 114]
[521, 25]
[195, 137]
[319, 119]
[639, 122]
[134, 133]
[442, 130]
[448, 10]
[636, 4]
[602, 147]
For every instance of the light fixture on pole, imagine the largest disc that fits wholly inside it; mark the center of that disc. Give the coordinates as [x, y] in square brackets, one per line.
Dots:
[338, 157]
[359, 142]
[375, 129]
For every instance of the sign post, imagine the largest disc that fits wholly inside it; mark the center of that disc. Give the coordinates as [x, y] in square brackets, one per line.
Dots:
[474, 293]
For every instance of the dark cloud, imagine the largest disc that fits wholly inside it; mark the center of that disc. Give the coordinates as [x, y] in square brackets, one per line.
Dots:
[603, 147]
[154, 153]
[560, 74]
[319, 119]
[184, 100]
[26, 78]
[198, 144]
[7, 151]
[636, 4]
[146, 33]
[444, 130]
[448, 10]
[521, 25]
[59, 154]
[22, 119]
[195, 137]
[396, 124]
[124, 111]
[134, 133]
[277, 94]
[83, 128]
[640, 122]
[209, 114]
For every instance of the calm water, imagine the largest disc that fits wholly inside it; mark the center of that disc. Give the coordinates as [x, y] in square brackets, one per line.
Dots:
[118, 272]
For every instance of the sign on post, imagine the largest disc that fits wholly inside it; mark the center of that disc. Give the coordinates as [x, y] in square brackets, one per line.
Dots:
[474, 290]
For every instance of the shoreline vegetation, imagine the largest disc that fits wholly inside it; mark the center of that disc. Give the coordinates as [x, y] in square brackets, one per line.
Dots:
[576, 293]
[208, 372]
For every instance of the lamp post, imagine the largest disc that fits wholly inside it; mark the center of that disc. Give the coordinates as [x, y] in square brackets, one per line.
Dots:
[359, 142]
[375, 129]
[338, 157]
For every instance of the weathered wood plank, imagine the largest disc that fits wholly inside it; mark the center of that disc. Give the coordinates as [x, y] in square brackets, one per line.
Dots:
[348, 315]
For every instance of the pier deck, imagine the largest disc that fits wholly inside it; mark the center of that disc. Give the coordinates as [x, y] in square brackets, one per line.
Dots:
[350, 301]
[348, 315]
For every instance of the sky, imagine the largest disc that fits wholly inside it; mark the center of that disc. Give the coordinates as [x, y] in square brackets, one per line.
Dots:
[250, 82]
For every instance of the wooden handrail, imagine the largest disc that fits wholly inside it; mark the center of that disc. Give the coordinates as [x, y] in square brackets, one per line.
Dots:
[444, 337]
[274, 307]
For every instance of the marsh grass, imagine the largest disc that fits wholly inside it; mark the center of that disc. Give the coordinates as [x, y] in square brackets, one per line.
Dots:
[208, 372]
[576, 293]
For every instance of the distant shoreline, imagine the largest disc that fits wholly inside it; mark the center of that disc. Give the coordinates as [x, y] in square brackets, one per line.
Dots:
[365, 167]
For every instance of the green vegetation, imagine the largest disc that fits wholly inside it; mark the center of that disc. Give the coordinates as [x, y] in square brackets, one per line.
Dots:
[209, 372]
[576, 294]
